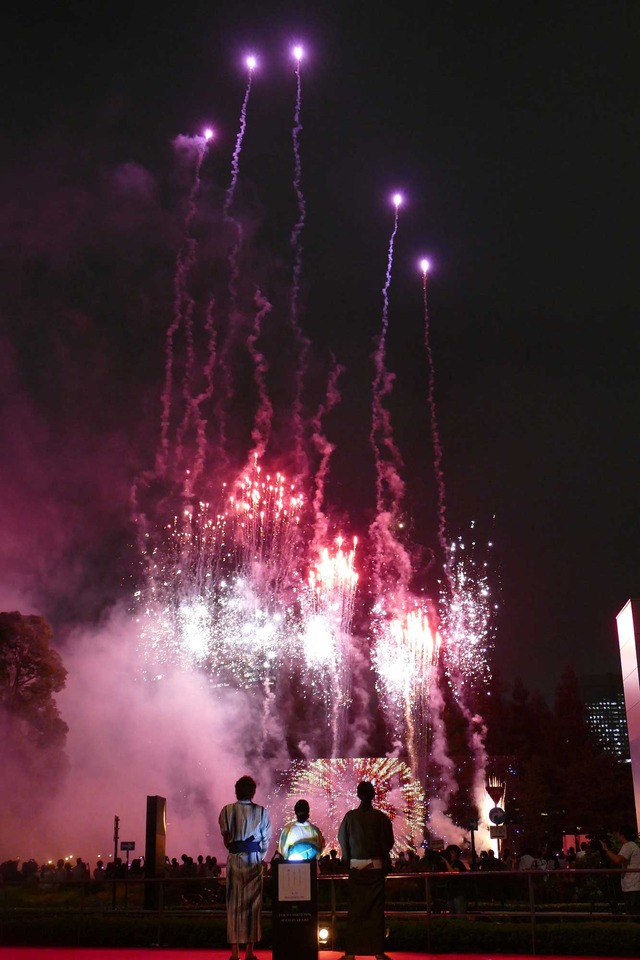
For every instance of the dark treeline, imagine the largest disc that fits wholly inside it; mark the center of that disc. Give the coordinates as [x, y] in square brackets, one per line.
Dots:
[559, 776]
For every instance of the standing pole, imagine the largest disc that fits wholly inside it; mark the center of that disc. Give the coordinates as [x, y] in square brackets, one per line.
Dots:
[116, 835]
[473, 828]
[126, 886]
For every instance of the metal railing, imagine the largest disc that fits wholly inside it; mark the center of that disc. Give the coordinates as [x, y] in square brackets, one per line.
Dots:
[524, 897]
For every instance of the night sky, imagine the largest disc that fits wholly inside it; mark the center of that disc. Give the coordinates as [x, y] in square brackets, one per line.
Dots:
[512, 130]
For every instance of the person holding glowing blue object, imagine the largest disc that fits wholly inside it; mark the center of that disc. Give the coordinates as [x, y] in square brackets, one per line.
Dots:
[301, 839]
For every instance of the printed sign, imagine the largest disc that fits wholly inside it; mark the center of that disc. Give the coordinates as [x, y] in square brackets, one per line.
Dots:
[294, 881]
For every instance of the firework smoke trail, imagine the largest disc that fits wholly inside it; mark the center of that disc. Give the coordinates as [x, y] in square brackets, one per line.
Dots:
[389, 553]
[325, 449]
[435, 432]
[182, 303]
[301, 341]
[269, 712]
[186, 305]
[264, 414]
[297, 187]
[402, 663]
[206, 394]
[234, 272]
[226, 385]
[387, 480]
[477, 737]
[440, 823]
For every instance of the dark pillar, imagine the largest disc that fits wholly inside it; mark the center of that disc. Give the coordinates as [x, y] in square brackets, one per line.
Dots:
[154, 851]
[295, 910]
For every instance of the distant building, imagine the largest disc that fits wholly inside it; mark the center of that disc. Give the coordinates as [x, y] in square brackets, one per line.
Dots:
[603, 698]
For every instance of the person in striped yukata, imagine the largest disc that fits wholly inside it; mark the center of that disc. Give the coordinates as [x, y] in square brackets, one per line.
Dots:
[246, 831]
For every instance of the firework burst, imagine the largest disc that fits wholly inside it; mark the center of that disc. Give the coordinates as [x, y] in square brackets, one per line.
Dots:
[330, 787]
[224, 584]
[467, 612]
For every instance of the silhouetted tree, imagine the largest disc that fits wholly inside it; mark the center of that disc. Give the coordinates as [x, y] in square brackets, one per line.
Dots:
[572, 730]
[534, 798]
[529, 720]
[32, 732]
[31, 671]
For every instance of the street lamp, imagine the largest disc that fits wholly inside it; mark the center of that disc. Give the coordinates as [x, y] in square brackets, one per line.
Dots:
[496, 788]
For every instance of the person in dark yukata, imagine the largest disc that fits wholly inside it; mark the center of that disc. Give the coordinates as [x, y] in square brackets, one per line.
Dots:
[366, 839]
[246, 831]
[456, 892]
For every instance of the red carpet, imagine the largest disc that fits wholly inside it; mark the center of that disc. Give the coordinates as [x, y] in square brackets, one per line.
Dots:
[68, 953]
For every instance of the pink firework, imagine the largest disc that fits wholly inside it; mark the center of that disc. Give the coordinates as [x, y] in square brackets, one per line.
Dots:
[328, 613]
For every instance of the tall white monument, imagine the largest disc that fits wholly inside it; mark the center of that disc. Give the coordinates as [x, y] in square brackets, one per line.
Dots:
[628, 621]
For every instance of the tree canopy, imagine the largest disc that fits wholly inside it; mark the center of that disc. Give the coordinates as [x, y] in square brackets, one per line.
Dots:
[31, 672]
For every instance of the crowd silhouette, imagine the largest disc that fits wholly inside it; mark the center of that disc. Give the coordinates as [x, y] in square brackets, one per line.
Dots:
[424, 860]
